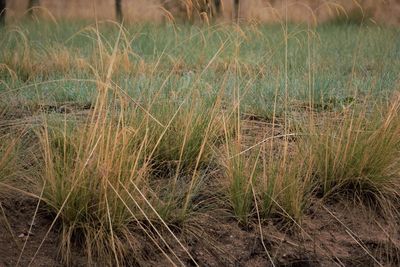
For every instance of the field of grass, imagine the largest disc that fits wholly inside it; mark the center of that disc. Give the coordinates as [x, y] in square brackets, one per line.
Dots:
[132, 139]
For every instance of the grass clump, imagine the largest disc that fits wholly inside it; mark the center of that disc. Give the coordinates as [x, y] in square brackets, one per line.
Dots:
[271, 177]
[357, 151]
[86, 171]
[240, 174]
[286, 182]
[106, 176]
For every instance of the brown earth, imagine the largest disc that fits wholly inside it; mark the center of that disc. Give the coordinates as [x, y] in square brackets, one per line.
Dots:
[310, 11]
[332, 234]
[18, 214]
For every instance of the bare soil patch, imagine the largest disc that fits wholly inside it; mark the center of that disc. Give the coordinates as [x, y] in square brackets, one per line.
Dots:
[340, 233]
[19, 212]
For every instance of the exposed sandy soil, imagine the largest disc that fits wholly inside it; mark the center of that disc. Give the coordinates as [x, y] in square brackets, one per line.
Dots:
[332, 234]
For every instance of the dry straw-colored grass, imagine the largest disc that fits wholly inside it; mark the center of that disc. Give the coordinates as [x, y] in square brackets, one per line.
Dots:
[133, 166]
[310, 11]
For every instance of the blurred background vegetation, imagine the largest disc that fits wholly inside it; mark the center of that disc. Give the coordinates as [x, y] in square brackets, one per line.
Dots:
[305, 11]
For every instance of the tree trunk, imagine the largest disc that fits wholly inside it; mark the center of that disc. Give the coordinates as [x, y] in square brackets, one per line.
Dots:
[118, 10]
[217, 4]
[2, 12]
[31, 5]
[236, 10]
